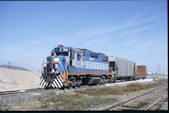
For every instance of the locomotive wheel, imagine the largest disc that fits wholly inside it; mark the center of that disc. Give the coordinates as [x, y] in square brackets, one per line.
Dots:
[110, 81]
[78, 83]
[102, 80]
[63, 88]
[48, 86]
[114, 80]
[131, 79]
[74, 84]
[68, 85]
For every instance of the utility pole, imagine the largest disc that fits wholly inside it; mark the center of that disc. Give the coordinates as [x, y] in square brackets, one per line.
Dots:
[9, 63]
[157, 68]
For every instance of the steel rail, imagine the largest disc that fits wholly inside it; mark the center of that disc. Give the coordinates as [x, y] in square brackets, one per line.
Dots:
[153, 103]
[35, 90]
[23, 91]
[156, 103]
[120, 104]
[57, 89]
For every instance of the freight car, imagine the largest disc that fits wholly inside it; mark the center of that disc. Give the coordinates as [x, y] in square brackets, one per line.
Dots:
[71, 67]
[121, 69]
[141, 72]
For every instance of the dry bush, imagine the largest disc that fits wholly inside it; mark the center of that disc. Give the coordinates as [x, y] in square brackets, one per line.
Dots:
[82, 99]
[72, 102]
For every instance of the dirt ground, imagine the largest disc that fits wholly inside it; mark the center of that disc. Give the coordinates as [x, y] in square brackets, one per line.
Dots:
[75, 99]
[72, 99]
[17, 79]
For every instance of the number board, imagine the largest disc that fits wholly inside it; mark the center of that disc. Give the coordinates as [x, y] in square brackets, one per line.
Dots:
[65, 50]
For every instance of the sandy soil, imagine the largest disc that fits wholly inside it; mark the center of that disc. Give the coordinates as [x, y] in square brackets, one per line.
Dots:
[17, 79]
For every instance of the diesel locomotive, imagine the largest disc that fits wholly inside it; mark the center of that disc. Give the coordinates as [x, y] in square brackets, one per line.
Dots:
[72, 67]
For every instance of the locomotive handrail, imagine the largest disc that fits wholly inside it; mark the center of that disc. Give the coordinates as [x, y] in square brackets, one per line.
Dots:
[69, 62]
[66, 69]
[43, 65]
[46, 68]
[64, 72]
[58, 68]
[52, 67]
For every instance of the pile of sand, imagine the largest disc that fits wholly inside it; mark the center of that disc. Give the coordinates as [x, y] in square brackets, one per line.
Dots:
[18, 79]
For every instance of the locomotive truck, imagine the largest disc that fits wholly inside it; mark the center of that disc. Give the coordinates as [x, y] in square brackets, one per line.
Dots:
[72, 67]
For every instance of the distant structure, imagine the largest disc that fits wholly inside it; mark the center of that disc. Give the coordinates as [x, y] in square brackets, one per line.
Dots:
[13, 67]
[9, 64]
[150, 73]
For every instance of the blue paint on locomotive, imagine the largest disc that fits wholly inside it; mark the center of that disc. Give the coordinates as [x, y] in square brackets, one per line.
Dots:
[82, 70]
[84, 61]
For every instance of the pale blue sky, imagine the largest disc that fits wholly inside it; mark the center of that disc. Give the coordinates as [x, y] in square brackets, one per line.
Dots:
[131, 29]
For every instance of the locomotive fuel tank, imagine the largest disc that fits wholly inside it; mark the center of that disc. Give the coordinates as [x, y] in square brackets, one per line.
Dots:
[94, 80]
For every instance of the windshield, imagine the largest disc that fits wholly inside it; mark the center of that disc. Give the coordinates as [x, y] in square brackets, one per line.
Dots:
[64, 52]
[58, 53]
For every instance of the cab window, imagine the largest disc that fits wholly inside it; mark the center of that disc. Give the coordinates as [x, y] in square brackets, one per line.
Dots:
[65, 52]
[78, 56]
[52, 54]
[58, 52]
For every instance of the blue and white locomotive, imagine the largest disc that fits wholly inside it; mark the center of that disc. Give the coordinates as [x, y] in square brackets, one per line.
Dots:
[73, 67]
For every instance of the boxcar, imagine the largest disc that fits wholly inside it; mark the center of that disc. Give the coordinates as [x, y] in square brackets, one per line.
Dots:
[121, 68]
[141, 71]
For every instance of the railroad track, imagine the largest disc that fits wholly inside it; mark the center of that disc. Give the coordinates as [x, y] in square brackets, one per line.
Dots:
[155, 105]
[24, 91]
[39, 89]
[42, 89]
